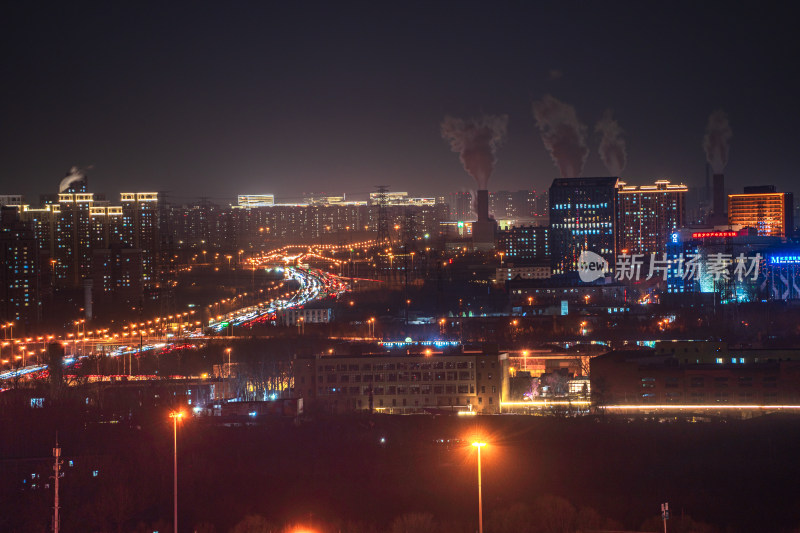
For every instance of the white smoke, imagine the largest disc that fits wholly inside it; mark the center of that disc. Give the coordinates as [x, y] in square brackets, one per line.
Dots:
[563, 135]
[75, 174]
[716, 142]
[612, 146]
[476, 141]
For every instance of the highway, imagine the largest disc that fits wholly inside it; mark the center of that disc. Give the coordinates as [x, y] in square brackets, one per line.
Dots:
[313, 285]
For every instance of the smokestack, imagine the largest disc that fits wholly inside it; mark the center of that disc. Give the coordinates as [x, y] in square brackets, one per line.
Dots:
[482, 205]
[720, 204]
[719, 211]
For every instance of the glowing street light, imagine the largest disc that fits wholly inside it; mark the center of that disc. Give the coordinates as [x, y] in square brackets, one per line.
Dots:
[175, 416]
[479, 445]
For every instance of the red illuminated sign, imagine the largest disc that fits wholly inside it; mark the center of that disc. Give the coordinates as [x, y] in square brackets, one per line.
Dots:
[708, 234]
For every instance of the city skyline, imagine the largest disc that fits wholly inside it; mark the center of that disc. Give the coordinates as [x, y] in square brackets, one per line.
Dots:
[271, 100]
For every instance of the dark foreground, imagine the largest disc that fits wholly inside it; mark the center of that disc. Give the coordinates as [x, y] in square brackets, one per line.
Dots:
[359, 474]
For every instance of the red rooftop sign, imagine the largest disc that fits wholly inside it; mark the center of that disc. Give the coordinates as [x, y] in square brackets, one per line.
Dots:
[709, 234]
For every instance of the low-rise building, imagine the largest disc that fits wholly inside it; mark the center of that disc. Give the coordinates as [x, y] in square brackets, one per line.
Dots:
[696, 373]
[404, 384]
[511, 271]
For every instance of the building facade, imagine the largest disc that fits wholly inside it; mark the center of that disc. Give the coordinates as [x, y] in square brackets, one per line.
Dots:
[403, 384]
[648, 214]
[696, 373]
[524, 244]
[583, 217]
[20, 270]
[770, 213]
[460, 204]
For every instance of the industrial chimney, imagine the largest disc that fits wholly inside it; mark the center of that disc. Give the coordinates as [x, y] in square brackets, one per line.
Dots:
[483, 231]
[719, 215]
[482, 205]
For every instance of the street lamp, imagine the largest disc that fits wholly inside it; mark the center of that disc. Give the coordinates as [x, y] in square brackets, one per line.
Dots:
[175, 416]
[479, 445]
[228, 351]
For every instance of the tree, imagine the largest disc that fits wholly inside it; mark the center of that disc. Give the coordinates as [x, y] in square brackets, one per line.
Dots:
[554, 514]
[514, 519]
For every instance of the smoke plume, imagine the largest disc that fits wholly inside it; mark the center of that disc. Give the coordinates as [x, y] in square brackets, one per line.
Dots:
[75, 174]
[563, 135]
[612, 145]
[716, 143]
[476, 141]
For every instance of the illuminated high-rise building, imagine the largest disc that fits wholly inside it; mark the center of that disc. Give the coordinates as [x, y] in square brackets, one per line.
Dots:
[648, 214]
[19, 270]
[107, 226]
[117, 276]
[140, 229]
[43, 223]
[73, 239]
[583, 217]
[770, 213]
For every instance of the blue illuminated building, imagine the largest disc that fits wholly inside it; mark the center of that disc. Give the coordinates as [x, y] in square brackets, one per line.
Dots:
[583, 216]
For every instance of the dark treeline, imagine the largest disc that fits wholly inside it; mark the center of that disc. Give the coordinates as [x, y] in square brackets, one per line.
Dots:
[393, 474]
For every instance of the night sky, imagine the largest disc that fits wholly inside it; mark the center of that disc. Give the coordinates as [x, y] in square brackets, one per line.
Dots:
[289, 97]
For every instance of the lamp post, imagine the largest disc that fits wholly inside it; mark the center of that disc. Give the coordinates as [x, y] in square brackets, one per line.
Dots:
[479, 445]
[228, 374]
[175, 415]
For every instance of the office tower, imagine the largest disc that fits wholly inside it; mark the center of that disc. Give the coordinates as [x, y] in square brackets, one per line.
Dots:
[20, 269]
[770, 213]
[140, 230]
[648, 215]
[583, 217]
